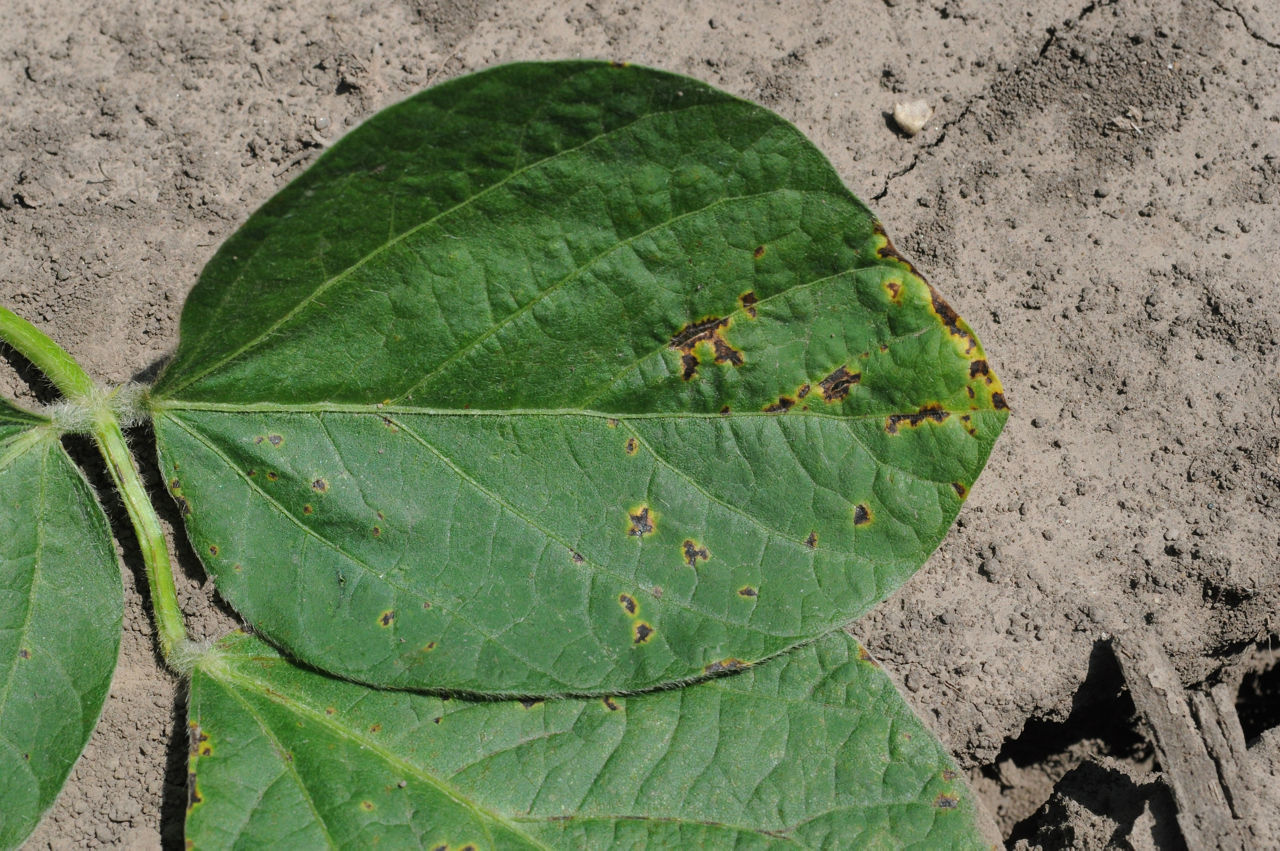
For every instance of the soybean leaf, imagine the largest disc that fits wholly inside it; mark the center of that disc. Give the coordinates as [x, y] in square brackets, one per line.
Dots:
[61, 604]
[813, 748]
[566, 378]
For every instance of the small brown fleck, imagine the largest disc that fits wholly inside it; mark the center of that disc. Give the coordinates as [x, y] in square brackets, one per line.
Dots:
[24, 653]
[469, 846]
[377, 531]
[632, 445]
[730, 664]
[425, 604]
[628, 603]
[803, 391]
[576, 557]
[213, 549]
[387, 617]
[643, 633]
[174, 484]
[748, 591]
[320, 486]
[835, 387]
[960, 489]
[861, 514]
[812, 541]
[529, 702]
[946, 802]
[998, 402]
[970, 391]
[948, 774]
[641, 522]
[724, 411]
[759, 252]
[895, 289]
[781, 406]
[329, 710]
[275, 439]
[375, 728]
[931, 412]
[272, 475]
[748, 302]
[367, 806]
[693, 552]
[436, 720]
[308, 509]
[428, 647]
[610, 704]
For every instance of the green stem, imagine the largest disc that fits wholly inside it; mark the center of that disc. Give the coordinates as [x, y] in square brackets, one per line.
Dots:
[47, 356]
[79, 388]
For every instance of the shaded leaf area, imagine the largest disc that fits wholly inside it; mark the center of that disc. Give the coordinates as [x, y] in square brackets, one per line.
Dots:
[552, 338]
[61, 604]
[812, 749]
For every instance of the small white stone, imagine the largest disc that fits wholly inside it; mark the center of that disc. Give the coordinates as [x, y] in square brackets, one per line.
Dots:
[912, 116]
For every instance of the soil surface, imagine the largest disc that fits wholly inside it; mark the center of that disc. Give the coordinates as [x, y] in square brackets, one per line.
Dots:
[1098, 193]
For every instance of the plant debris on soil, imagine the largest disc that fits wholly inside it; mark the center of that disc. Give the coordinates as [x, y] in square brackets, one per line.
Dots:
[1097, 192]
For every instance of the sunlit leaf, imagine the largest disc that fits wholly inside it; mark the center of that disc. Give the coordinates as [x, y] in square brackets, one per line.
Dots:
[813, 749]
[61, 603]
[566, 378]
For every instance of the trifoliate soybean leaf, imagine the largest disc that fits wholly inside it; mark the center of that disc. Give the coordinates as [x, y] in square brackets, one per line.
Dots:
[812, 749]
[566, 378]
[61, 602]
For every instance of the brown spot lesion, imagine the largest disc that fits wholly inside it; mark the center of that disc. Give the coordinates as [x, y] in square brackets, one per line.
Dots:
[726, 665]
[960, 489]
[628, 603]
[708, 332]
[642, 632]
[861, 514]
[759, 252]
[784, 404]
[367, 806]
[835, 387]
[864, 656]
[213, 549]
[320, 486]
[308, 509]
[946, 802]
[24, 653]
[387, 618]
[933, 412]
[895, 290]
[748, 591]
[724, 412]
[631, 446]
[610, 704]
[194, 798]
[948, 774]
[998, 402]
[529, 702]
[748, 301]
[980, 367]
[272, 476]
[576, 557]
[693, 551]
[812, 541]
[642, 522]
[950, 319]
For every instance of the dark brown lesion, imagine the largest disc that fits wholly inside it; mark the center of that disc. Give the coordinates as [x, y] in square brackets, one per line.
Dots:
[835, 387]
[632, 445]
[932, 412]
[641, 522]
[387, 618]
[812, 541]
[980, 367]
[861, 515]
[628, 603]
[643, 632]
[693, 552]
[950, 319]
[726, 665]
[748, 591]
[610, 704]
[784, 404]
[960, 489]
[803, 391]
[998, 402]
[709, 332]
[748, 302]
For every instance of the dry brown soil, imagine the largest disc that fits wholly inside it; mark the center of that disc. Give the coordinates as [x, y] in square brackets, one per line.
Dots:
[1098, 194]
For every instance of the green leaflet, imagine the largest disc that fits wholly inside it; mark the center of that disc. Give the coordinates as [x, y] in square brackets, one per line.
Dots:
[61, 604]
[566, 378]
[814, 749]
